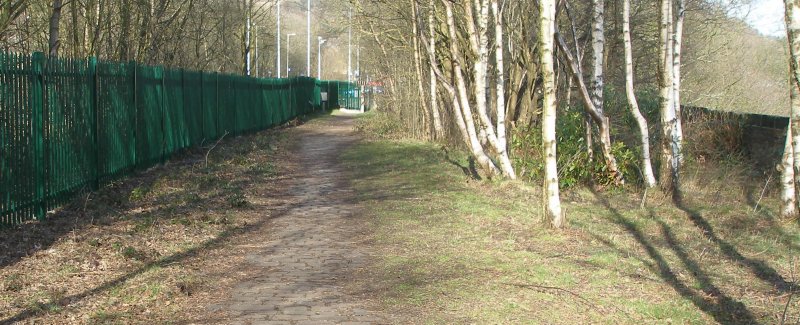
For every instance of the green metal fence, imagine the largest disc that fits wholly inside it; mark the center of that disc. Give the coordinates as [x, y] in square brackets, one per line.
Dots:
[69, 124]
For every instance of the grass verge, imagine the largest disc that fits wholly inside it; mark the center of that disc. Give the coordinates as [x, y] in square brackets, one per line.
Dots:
[455, 250]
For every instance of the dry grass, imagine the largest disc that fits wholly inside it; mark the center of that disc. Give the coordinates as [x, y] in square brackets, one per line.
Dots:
[456, 250]
[157, 247]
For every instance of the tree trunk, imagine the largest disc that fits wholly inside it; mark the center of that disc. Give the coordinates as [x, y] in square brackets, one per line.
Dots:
[598, 50]
[603, 123]
[417, 65]
[788, 189]
[124, 42]
[676, 77]
[479, 41]
[647, 166]
[477, 149]
[553, 211]
[670, 166]
[76, 38]
[502, 142]
[54, 42]
[793, 33]
[247, 29]
[437, 118]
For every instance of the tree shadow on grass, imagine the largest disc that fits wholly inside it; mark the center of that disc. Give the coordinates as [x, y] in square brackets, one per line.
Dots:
[470, 170]
[210, 244]
[758, 268]
[722, 308]
[86, 209]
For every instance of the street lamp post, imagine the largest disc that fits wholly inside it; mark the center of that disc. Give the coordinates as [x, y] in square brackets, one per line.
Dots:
[287, 52]
[320, 41]
[308, 39]
[350, 46]
[278, 35]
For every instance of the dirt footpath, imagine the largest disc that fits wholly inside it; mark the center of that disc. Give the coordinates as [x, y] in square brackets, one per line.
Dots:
[300, 270]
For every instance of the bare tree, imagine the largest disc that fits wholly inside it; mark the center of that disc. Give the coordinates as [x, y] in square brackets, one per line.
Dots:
[793, 33]
[599, 118]
[598, 57]
[788, 187]
[417, 58]
[670, 169]
[10, 10]
[437, 118]
[647, 165]
[677, 53]
[54, 42]
[547, 10]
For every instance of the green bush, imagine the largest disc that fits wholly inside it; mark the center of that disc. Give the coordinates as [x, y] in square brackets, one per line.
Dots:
[574, 165]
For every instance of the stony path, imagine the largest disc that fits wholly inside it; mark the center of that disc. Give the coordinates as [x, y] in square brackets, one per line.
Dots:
[309, 250]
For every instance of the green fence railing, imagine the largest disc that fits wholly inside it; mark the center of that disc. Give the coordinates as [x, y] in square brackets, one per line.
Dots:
[70, 124]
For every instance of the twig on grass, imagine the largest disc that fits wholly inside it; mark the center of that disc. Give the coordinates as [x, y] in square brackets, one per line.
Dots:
[755, 208]
[214, 146]
[543, 288]
[791, 295]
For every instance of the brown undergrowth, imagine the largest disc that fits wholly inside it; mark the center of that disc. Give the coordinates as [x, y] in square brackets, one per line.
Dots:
[156, 247]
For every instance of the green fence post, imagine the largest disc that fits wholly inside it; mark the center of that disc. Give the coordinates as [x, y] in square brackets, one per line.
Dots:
[164, 108]
[92, 75]
[202, 108]
[216, 107]
[37, 132]
[232, 92]
[134, 84]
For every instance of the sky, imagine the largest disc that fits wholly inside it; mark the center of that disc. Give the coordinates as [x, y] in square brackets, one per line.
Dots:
[766, 16]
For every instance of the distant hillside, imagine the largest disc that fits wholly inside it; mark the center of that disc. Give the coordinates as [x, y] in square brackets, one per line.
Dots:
[730, 67]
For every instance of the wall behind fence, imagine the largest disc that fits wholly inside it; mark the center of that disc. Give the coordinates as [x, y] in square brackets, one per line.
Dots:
[67, 125]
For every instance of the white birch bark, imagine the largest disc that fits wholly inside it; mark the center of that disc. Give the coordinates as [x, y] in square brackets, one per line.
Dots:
[417, 63]
[437, 119]
[788, 189]
[670, 165]
[647, 166]
[502, 142]
[603, 123]
[547, 10]
[793, 33]
[479, 41]
[463, 97]
[676, 76]
[248, 26]
[598, 50]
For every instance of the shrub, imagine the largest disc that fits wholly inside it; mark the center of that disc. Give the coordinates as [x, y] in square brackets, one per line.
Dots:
[380, 125]
[573, 161]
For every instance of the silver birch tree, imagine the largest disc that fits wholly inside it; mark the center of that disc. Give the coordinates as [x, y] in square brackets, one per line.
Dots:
[500, 85]
[633, 104]
[417, 63]
[788, 188]
[670, 166]
[793, 34]
[598, 50]
[547, 10]
[437, 118]
[676, 76]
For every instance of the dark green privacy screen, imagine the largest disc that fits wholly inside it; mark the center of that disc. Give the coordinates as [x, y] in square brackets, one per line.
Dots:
[69, 125]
